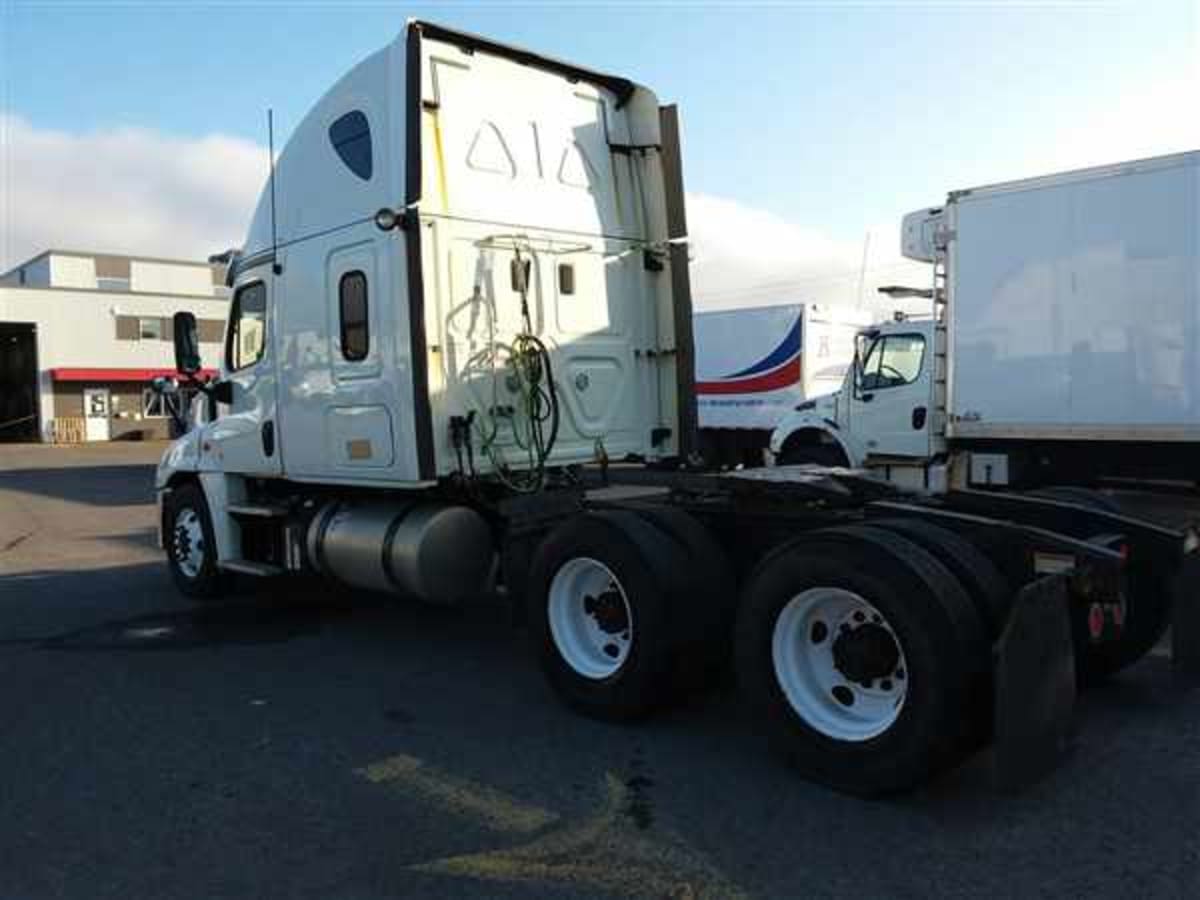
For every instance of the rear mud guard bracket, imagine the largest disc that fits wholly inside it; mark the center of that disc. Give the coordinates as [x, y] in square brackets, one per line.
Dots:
[1034, 686]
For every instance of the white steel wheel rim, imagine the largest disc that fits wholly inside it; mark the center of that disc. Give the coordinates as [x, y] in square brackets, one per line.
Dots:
[806, 668]
[188, 542]
[591, 622]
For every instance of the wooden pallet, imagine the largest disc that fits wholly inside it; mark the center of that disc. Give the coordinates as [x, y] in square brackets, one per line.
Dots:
[68, 430]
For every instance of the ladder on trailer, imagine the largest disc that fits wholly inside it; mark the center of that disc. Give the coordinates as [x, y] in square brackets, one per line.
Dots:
[941, 368]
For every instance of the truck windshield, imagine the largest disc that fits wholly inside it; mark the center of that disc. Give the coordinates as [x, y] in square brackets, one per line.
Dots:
[892, 361]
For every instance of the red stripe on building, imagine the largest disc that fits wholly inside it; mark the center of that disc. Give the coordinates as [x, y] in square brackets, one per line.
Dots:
[119, 374]
[785, 376]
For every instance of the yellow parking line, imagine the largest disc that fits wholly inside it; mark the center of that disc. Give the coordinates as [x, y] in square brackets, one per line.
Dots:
[483, 805]
[601, 853]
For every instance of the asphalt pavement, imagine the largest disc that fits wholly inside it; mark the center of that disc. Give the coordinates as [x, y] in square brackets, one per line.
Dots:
[304, 742]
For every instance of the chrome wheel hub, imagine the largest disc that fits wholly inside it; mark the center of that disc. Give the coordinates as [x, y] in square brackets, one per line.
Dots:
[187, 542]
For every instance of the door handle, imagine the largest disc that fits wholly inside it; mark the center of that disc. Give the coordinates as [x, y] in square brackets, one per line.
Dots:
[867, 398]
[268, 438]
[918, 418]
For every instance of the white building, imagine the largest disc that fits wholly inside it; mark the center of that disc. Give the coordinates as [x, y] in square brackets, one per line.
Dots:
[82, 334]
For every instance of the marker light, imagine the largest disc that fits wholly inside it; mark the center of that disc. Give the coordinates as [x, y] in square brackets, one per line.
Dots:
[386, 219]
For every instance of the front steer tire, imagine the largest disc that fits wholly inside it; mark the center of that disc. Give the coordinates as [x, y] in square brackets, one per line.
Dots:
[199, 579]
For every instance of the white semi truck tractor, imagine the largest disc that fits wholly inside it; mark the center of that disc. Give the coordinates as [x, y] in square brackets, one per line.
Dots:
[1061, 356]
[463, 305]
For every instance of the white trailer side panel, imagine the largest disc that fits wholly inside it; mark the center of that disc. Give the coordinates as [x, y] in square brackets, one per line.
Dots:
[1075, 305]
[748, 365]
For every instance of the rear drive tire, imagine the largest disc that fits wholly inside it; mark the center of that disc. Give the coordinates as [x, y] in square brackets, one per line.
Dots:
[989, 590]
[822, 617]
[1150, 597]
[706, 592]
[600, 613]
[191, 545]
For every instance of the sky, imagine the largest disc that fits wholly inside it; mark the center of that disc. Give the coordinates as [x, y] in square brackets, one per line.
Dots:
[809, 129]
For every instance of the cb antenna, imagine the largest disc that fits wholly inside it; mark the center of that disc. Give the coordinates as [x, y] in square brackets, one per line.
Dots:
[275, 267]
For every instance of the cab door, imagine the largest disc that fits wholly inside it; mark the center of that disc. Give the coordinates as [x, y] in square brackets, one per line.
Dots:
[890, 403]
[245, 435]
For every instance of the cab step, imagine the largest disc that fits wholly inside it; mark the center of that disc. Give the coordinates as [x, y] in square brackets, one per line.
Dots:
[250, 567]
[261, 511]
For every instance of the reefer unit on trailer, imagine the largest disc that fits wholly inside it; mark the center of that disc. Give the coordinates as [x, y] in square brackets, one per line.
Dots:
[754, 365]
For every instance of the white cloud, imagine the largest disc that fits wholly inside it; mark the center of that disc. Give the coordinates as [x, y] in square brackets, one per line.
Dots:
[742, 256]
[126, 190]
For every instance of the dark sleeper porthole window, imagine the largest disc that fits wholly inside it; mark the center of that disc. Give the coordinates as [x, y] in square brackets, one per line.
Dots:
[352, 304]
[351, 138]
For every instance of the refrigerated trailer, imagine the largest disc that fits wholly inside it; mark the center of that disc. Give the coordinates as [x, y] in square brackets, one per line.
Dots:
[754, 365]
[462, 298]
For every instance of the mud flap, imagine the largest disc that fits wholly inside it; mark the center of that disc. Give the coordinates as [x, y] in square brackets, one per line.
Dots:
[1185, 624]
[1034, 686]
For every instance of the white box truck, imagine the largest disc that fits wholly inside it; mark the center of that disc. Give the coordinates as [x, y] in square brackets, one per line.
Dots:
[755, 365]
[1062, 355]
[463, 292]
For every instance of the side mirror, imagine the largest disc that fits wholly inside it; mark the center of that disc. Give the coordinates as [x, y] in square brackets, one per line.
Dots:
[856, 366]
[187, 344]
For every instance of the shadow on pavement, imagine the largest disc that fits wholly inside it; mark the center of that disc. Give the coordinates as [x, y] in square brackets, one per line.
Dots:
[230, 623]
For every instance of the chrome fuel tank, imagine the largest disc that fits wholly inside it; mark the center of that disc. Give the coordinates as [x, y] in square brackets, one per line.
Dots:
[434, 552]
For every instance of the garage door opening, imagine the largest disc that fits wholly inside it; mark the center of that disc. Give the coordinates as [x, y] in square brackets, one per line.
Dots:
[19, 419]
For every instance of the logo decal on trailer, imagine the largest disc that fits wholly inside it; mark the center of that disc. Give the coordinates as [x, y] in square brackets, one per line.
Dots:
[778, 369]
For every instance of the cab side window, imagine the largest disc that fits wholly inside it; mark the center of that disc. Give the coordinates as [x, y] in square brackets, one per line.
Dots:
[351, 139]
[247, 338]
[893, 361]
[352, 309]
